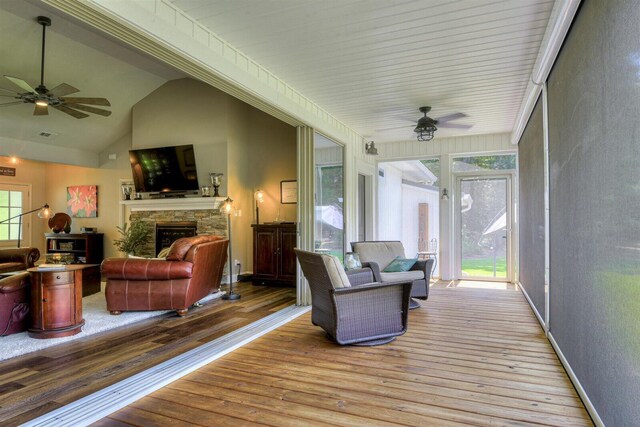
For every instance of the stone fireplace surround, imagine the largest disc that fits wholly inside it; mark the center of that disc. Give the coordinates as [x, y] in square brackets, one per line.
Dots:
[203, 211]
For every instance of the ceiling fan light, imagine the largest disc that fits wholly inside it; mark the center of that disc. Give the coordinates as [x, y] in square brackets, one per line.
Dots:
[425, 133]
[42, 102]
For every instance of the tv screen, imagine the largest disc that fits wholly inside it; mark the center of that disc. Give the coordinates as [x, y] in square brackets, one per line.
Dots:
[164, 169]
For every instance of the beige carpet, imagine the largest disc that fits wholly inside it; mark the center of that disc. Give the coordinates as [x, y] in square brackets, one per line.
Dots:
[97, 319]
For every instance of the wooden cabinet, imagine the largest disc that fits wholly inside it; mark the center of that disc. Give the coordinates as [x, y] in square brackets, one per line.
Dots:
[274, 261]
[86, 248]
[56, 300]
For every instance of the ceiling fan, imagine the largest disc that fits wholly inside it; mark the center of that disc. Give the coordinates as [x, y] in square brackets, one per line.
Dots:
[56, 97]
[427, 126]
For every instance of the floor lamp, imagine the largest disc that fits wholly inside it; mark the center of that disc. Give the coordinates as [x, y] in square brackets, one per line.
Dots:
[44, 212]
[227, 208]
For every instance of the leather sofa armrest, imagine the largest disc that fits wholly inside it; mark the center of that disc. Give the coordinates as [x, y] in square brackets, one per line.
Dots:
[14, 283]
[27, 256]
[145, 269]
[375, 269]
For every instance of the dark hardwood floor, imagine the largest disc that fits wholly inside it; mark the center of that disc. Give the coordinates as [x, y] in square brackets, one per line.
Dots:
[39, 382]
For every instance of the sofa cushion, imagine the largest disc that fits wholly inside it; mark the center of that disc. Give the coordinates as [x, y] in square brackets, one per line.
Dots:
[381, 253]
[400, 264]
[405, 276]
[337, 275]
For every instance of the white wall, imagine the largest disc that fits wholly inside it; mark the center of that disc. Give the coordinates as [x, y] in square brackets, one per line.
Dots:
[390, 204]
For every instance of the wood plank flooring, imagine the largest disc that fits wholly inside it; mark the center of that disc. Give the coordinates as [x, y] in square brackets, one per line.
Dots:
[37, 383]
[470, 357]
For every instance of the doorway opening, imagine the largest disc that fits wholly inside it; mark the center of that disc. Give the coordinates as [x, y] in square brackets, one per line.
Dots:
[409, 206]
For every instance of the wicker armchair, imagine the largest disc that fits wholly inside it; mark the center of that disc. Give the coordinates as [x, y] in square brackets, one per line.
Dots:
[362, 314]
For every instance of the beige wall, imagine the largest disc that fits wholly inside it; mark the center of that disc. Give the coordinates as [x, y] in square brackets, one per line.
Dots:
[181, 112]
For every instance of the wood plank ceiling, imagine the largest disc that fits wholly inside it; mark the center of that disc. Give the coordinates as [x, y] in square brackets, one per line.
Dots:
[372, 63]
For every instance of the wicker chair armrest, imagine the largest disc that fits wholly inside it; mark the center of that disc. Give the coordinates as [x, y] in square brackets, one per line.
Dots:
[360, 276]
[370, 287]
[375, 269]
[425, 265]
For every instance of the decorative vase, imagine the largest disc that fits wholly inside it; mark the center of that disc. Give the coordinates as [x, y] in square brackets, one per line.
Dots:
[67, 227]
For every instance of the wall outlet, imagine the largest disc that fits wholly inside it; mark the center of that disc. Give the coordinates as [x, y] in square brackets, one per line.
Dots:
[236, 262]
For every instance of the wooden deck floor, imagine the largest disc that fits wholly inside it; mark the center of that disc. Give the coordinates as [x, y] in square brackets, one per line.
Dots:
[470, 357]
[42, 381]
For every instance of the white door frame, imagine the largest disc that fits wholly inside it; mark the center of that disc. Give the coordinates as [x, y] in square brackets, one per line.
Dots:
[457, 223]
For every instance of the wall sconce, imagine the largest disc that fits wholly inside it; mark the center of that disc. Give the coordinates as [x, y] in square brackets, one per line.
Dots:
[445, 195]
[259, 197]
[370, 148]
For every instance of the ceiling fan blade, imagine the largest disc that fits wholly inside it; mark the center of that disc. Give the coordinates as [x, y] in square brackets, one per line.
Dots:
[454, 126]
[41, 110]
[70, 111]
[10, 96]
[93, 110]
[89, 101]
[10, 91]
[11, 103]
[450, 117]
[63, 89]
[21, 84]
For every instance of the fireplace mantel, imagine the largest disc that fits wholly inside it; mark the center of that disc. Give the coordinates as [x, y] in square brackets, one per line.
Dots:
[174, 204]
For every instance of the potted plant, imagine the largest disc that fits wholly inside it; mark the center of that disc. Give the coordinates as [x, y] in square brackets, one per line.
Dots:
[134, 236]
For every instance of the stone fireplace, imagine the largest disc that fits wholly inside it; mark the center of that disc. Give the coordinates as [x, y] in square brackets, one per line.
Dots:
[179, 215]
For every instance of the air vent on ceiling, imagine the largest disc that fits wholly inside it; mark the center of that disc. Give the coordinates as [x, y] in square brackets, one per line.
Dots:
[46, 134]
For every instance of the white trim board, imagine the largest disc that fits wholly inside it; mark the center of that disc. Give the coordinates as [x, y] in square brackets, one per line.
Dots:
[98, 405]
[533, 307]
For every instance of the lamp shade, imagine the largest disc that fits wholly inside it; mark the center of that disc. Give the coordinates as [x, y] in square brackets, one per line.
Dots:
[227, 206]
[44, 212]
[259, 196]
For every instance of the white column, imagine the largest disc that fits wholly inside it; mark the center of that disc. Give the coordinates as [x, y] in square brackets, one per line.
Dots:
[305, 204]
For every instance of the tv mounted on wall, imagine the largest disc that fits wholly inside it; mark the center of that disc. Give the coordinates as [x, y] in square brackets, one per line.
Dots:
[164, 170]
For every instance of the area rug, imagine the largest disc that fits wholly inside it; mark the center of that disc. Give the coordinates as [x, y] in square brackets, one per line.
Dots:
[97, 319]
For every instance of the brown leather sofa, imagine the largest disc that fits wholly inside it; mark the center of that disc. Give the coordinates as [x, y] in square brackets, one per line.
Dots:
[191, 271]
[18, 259]
[14, 303]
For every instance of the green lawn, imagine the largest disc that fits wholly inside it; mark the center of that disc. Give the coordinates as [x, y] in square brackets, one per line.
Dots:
[483, 267]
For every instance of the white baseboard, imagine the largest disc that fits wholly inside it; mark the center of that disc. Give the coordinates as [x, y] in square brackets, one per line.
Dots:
[565, 363]
[98, 405]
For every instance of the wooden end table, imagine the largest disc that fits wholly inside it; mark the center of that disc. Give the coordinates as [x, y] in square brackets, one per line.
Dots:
[56, 299]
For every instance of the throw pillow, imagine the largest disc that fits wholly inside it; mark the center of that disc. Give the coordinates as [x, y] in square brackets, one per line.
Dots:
[400, 264]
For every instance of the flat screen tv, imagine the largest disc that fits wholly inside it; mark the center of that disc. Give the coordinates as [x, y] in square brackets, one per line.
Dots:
[164, 169]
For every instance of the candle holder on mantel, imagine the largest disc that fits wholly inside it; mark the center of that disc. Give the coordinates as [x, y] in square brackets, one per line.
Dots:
[216, 180]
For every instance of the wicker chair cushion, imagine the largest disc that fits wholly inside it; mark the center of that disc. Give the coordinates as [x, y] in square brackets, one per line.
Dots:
[337, 275]
[403, 276]
[380, 252]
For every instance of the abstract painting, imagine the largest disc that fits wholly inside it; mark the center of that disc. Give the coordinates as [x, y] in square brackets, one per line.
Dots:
[82, 201]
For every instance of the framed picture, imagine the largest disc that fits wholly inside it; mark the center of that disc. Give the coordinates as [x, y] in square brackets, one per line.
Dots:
[82, 201]
[288, 192]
